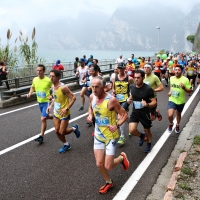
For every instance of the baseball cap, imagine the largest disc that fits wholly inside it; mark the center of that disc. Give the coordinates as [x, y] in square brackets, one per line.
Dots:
[81, 60]
[129, 59]
[121, 65]
[89, 64]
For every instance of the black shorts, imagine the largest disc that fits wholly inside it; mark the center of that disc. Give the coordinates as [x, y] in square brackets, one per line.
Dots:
[191, 77]
[163, 71]
[157, 74]
[142, 117]
[198, 75]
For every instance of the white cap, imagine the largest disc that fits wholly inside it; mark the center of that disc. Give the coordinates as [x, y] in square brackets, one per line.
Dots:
[129, 59]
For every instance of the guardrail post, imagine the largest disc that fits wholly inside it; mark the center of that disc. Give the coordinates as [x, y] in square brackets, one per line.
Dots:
[1, 94]
[61, 74]
[16, 82]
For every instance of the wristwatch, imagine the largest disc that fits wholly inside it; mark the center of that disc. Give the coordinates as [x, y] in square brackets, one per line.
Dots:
[118, 126]
[67, 109]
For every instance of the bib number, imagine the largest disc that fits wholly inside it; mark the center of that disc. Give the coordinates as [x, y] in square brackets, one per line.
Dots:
[138, 104]
[175, 93]
[120, 97]
[41, 94]
[130, 72]
[102, 121]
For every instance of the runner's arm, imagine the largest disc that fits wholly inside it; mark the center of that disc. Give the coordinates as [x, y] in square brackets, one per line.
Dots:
[90, 111]
[159, 88]
[113, 104]
[66, 91]
[32, 89]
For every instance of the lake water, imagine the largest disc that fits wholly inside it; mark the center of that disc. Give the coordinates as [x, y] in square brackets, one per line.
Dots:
[69, 55]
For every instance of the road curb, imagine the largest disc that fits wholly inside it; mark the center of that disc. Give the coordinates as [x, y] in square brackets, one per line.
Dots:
[184, 143]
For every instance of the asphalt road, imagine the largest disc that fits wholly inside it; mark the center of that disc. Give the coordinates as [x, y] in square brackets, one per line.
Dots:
[38, 171]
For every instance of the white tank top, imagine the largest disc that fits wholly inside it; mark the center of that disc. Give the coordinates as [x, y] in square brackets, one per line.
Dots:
[81, 71]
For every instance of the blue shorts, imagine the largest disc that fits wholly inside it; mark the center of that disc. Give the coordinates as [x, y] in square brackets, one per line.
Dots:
[178, 107]
[43, 108]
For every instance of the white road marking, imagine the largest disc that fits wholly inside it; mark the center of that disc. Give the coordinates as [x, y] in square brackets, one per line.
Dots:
[12, 111]
[34, 137]
[137, 174]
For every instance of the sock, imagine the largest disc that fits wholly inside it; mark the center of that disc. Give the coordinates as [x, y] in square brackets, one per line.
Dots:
[110, 181]
[122, 158]
[66, 143]
[122, 129]
[73, 128]
[141, 135]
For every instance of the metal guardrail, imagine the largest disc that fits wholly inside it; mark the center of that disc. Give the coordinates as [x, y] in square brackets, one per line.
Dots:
[21, 89]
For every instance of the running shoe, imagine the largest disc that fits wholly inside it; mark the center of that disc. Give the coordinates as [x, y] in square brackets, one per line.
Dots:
[89, 124]
[158, 115]
[77, 132]
[125, 162]
[142, 136]
[148, 148]
[121, 140]
[105, 188]
[170, 127]
[177, 129]
[81, 108]
[166, 85]
[39, 139]
[64, 148]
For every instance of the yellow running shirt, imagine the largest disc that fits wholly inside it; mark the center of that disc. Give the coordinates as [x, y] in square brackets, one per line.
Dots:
[103, 118]
[42, 88]
[60, 101]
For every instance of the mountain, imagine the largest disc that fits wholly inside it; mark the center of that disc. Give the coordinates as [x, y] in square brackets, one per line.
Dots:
[132, 28]
[196, 45]
[70, 33]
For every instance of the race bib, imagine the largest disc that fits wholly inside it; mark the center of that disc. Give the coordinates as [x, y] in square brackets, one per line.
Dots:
[88, 83]
[138, 104]
[57, 106]
[175, 93]
[120, 97]
[190, 72]
[156, 68]
[130, 72]
[102, 121]
[41, 94]
[147, 82]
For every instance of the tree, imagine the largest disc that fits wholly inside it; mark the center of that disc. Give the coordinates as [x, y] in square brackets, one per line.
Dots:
[190, 38]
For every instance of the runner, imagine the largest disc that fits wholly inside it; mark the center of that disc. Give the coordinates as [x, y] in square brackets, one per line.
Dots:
[191, 74]
[41, 85]
[79, 73]
[130, 68]
[154, 82]
[63, 99]
[143, 98]
[88, 76]
[58, 66]
[179, 85]
[104, 108]
[121, 84]
[157, 66]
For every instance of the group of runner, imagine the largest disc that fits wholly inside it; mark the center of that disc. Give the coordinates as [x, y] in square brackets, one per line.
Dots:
[133, 83]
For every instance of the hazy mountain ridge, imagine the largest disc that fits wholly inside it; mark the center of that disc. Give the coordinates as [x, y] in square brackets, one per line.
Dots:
[127, 29]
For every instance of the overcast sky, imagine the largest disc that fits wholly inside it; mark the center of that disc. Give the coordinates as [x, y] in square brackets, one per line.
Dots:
[28, 13]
